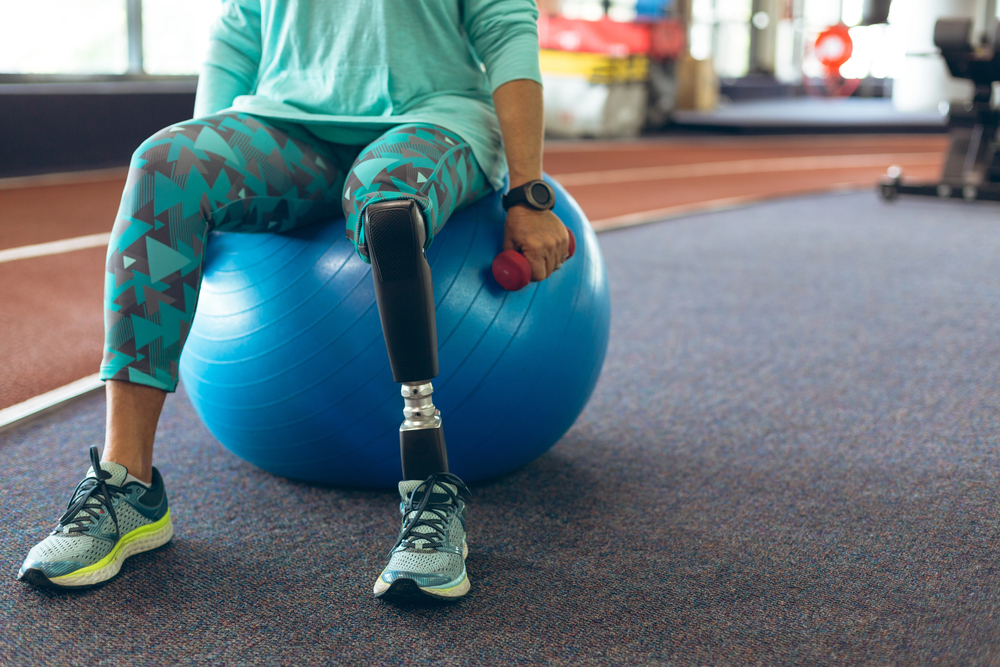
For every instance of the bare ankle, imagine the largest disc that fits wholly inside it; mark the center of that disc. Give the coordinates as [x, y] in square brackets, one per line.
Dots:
[136, 467]
[133, 411]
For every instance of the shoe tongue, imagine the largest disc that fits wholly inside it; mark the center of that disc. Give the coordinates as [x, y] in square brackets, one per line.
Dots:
[118, 472]
[438, 494]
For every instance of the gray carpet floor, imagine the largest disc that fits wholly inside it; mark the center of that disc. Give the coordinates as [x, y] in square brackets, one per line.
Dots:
[790, 459]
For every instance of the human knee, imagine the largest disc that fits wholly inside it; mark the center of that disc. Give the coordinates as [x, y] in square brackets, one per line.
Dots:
[156, 149]
[160, 147]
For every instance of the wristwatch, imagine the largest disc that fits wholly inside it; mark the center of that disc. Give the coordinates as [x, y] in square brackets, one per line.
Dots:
[538, 195]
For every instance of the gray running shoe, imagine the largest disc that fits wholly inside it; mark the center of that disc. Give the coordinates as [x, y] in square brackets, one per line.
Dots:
[428, 559]
[107, 521]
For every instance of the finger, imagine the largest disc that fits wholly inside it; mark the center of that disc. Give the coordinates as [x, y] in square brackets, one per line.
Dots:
[550, 262]
[564, 247]
[546, 261]
[558, 251]
[537, 261]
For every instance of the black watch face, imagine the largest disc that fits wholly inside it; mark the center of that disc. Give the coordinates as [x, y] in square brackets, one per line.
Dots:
[541, 195]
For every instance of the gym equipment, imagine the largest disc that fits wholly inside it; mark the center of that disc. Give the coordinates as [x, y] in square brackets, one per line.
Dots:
[512, 271]
[286, 361]
[972, 166]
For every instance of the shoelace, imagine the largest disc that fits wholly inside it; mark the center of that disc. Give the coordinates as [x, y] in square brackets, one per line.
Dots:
[90, 489]
[414, 511]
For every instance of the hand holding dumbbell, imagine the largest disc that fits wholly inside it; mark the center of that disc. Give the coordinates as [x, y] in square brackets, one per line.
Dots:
[512, 270]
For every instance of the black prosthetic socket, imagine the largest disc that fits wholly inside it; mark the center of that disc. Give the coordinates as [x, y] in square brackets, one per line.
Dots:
[423, 452]
[395, 233]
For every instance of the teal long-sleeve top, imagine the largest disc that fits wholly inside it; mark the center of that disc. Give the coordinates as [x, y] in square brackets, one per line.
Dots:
[351, 69]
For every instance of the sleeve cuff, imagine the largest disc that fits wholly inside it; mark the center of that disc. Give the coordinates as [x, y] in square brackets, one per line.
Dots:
[518, 59]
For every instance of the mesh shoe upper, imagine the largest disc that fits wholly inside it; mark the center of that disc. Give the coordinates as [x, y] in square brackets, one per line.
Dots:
[430, 546]
[102, 509]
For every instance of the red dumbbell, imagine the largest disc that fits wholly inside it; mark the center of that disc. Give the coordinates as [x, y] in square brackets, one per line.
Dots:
[512, 270]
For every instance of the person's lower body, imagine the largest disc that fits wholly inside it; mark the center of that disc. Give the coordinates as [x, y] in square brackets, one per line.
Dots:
[392, 230]
[239, 173]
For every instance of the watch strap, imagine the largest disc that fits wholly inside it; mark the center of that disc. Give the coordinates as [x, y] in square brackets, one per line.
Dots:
[520, 195]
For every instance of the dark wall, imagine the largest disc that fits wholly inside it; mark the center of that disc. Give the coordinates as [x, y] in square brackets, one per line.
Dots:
[70, 128]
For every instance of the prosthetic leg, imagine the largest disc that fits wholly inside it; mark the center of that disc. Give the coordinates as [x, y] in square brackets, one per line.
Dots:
[395, 233]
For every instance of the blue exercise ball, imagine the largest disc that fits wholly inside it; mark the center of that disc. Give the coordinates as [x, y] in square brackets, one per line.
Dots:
[286, 363]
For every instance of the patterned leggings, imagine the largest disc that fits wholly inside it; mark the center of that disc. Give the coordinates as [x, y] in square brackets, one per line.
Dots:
[239, 173]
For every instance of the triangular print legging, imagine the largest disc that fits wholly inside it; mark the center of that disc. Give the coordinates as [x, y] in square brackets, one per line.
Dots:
[239, 173]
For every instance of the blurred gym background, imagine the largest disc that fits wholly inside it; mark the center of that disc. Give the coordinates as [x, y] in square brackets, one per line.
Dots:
[791, 455]
[84, 81]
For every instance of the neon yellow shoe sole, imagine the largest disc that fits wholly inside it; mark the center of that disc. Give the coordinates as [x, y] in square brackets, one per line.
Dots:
[144, 538]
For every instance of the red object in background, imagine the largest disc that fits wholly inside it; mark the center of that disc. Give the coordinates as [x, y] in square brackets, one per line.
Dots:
[603, 36]
[667, 40]
[833, 48]
[660, 40]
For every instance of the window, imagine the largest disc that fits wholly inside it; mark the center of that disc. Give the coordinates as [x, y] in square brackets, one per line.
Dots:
[63, 37]
[175, 34]
[75, 37]
[720, 29]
